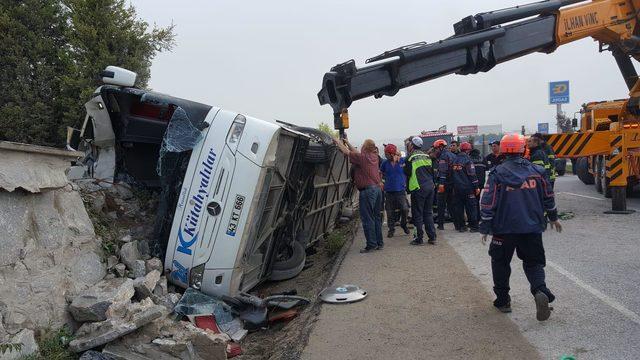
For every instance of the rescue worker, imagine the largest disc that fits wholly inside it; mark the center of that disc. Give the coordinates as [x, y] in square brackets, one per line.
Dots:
[394, 178]
[537, 155]
[481, 166]
[454, 147]
[514, 202]
[495, 158]
[419, 170]
[481, 173]
[445, 181]
[551, 157]
[465, 190]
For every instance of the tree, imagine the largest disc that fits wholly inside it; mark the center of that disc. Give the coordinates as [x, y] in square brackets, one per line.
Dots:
[33, 34]
[56, 49]
[324, 127]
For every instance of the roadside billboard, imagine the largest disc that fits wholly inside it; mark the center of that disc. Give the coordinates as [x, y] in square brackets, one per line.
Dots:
[468, 130]
[559, 92]
[543, 128]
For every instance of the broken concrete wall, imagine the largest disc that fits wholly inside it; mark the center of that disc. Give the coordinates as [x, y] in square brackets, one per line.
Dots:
[48, 249]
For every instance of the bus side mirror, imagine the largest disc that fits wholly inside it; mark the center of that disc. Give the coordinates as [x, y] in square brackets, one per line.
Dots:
[574, 123]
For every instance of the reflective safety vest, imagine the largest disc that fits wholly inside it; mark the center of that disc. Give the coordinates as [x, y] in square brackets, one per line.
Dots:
[417, 160]
[539, 157]
[552, 161]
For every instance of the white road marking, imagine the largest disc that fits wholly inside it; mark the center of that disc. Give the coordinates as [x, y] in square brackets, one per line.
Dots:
[597, 293]
[584, 196]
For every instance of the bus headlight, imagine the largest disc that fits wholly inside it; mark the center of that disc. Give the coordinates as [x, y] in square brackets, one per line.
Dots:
[235, 132]
[195, 277]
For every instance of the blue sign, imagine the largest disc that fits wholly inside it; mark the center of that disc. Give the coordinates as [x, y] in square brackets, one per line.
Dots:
[559, 92]
[543, 128]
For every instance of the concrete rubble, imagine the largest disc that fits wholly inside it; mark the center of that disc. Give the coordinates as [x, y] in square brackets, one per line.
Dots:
[94, 304]
[91, 335]
[129, 254]
[170, 339]
[145, 285]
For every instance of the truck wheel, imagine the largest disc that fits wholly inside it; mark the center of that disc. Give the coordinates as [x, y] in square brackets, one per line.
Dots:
[606, 189]
[292, 266]
[598, 175]
[561, 166]
[582, 168]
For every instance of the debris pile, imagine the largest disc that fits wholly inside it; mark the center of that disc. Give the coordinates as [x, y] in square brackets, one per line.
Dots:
[134, 313]
[138, 318]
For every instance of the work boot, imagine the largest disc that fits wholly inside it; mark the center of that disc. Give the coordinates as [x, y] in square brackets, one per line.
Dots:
[543, 311]
[502, 305]
[440, 227]
[547, 292]
[405, 229]
[431, 241]
[390, 233]
[417, 242]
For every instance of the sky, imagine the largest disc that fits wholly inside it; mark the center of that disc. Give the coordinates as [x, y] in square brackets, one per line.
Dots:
[267, 58]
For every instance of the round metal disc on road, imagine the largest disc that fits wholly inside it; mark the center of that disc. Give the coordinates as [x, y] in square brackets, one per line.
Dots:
[343, 294]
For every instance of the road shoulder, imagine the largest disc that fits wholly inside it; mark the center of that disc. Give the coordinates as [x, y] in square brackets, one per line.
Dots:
[423, 303]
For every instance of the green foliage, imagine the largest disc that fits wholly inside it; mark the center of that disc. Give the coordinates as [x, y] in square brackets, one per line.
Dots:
[103, 227]
[53, 51]
[324, 127]
[335, 242]
[10, 347]
[53, 345]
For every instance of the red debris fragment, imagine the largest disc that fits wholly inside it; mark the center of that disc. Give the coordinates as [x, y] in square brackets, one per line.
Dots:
[233, 350]
[286, 315]
[207, 322]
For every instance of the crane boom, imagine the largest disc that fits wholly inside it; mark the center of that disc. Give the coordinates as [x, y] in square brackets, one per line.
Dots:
[482, 41]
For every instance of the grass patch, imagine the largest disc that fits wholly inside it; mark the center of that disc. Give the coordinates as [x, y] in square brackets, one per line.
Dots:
[10, 347]
[334, 242]
[53, 346]
[104, 227]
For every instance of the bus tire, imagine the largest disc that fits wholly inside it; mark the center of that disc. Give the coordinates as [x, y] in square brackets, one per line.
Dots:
[291, 267]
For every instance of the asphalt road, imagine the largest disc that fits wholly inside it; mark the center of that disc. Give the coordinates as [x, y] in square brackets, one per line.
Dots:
[593, 267]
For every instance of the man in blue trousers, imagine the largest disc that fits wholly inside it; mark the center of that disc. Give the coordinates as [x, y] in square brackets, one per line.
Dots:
[513, 205]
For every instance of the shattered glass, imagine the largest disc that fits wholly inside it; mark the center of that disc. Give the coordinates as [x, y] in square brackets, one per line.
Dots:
[193, 302]
[181, 136]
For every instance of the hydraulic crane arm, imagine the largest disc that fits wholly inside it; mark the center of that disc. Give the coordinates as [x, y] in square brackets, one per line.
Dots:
[485, 40]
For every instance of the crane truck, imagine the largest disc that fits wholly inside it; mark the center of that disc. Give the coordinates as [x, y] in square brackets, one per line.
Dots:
[482, 41]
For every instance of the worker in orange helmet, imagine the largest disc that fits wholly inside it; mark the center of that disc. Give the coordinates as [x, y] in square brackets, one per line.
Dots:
[513, 205]
[444, 197]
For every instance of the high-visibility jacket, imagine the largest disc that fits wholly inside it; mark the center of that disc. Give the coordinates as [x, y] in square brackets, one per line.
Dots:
[421, 171]
[539, 157]
[551, 157]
